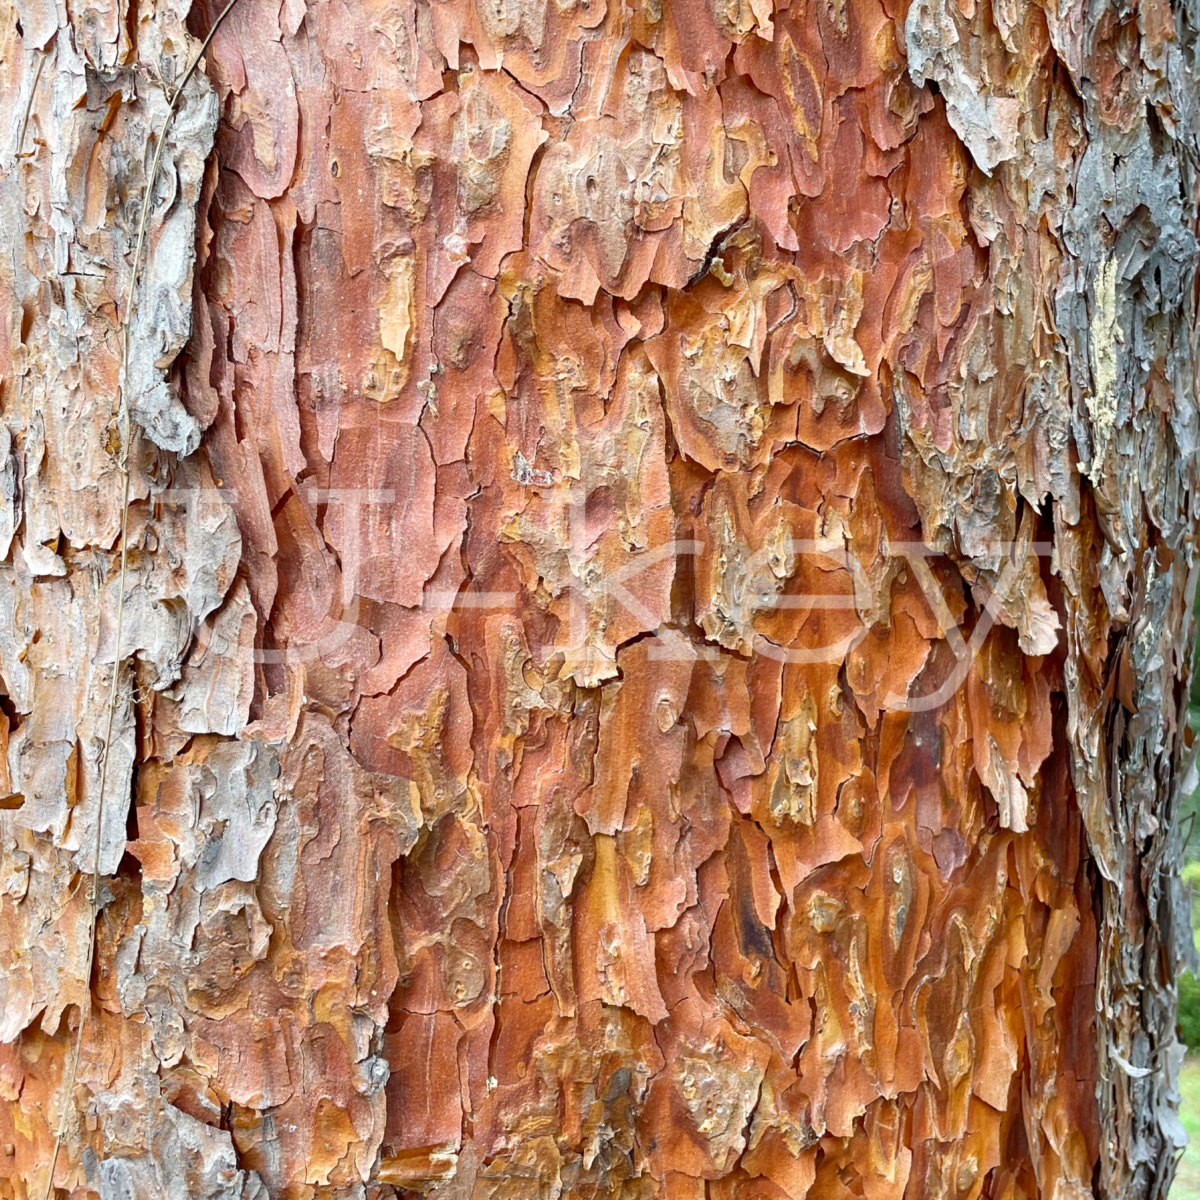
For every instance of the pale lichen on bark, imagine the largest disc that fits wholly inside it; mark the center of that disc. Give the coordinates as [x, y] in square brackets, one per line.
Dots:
[660, 546]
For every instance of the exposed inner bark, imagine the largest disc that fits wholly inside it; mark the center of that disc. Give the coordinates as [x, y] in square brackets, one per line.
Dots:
[656, 636]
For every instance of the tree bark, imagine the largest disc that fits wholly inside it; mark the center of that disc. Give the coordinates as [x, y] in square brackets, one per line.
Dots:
[651, 633]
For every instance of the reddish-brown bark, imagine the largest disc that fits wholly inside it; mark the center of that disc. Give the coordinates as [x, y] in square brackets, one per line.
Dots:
[658, 560]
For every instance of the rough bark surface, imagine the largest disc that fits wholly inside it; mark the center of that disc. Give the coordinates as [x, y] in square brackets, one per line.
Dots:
[655, 634]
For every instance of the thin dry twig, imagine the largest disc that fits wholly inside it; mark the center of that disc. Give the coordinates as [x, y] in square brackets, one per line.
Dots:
[123, 461]
[42, 56]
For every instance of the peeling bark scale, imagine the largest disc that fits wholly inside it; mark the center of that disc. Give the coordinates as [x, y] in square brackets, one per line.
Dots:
[660, 547]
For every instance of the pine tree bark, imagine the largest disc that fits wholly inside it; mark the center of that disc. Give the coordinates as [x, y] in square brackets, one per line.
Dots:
[656, 613]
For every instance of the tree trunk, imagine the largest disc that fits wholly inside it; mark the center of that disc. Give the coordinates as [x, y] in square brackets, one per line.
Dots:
[645, 551]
